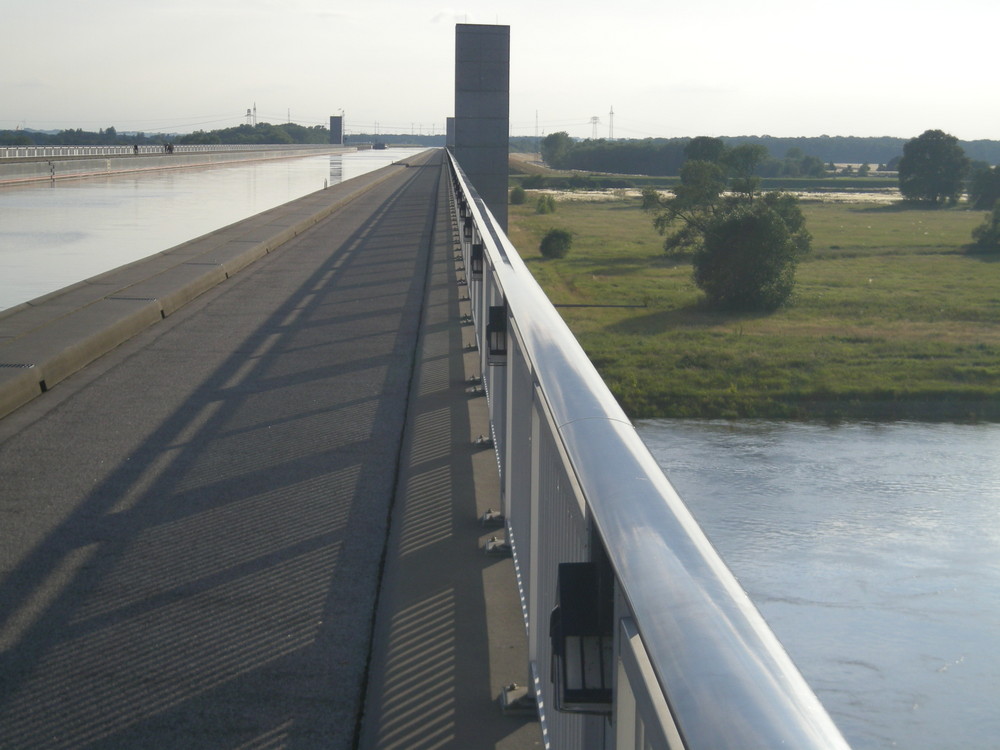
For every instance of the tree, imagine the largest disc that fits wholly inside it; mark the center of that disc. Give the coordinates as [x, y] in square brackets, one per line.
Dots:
[744, 244]
[743, 162]
[748, 259]
[984, 188]
[556, 148]
[517, 196]
[556, 243]
[987, 234]
[683, 217]
[933, 168]
[705, 148]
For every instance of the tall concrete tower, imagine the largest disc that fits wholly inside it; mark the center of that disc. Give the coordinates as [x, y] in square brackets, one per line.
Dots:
[482, 111]
[337, 130]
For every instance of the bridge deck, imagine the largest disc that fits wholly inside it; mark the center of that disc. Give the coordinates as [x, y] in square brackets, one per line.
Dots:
[194, 527]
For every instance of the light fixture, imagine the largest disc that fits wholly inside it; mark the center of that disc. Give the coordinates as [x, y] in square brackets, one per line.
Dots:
[496, 336]
[580, 629]
[476, 261]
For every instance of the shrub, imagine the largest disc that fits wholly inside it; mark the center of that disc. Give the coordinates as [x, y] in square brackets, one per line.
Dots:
[747, 260]
[546, 204]
[556, 243]
[987, 234]
[518, 196]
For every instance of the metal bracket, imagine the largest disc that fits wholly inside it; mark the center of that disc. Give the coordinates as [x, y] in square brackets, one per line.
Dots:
[492, 518]
[517, 700]
[499, 547]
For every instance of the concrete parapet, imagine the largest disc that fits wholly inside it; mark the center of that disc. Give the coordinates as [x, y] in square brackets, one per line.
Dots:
[78, 339]
[47, 339]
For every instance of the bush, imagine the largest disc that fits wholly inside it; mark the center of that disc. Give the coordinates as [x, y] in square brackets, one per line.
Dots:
[546, 204]
[556, 243]
[987, 234]
[747, 260]
[518, 196]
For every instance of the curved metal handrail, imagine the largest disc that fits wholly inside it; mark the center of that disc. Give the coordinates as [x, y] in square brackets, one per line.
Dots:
[727, 679]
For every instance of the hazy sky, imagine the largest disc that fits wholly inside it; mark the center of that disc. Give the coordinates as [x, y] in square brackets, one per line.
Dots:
[681, 68]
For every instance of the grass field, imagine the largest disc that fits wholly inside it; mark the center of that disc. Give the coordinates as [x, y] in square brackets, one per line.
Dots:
[891, 318]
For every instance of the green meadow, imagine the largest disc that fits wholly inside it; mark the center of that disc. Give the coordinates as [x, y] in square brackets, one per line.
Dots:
[892, 318]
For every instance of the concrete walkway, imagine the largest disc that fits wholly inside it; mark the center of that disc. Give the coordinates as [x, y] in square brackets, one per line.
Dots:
[193, 527]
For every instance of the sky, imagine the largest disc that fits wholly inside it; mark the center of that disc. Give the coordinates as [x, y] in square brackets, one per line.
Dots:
[666, 68]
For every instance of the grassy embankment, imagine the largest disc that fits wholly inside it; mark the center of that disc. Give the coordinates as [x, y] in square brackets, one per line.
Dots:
[891, 318]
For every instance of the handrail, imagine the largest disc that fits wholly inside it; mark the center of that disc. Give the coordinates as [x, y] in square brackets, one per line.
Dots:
[37, 152]
[727, 680]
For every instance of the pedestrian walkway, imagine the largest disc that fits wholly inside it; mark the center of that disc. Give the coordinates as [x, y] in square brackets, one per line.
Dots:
[194, 526]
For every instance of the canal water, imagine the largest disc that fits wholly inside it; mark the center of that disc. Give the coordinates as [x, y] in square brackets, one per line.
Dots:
[57, 233]
[873, 551]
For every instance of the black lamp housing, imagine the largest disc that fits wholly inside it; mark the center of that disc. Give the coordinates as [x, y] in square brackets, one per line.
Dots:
[496, 336]
[476, 260]
[581, 630]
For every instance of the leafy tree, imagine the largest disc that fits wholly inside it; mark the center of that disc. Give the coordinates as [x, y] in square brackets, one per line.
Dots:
[556, 148]
[743, 162]
[650, 199]
[518, 196]
[748, 259]
[745, 245]
[984, 188]
[987, 234]
[705, 148]
[812, 166]
[933, 168]
[683, 217]
[556, 243]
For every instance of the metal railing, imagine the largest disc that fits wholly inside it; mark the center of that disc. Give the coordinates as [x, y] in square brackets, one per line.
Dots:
[42, 152]
[694, 664]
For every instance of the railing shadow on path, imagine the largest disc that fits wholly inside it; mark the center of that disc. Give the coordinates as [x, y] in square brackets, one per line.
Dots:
[219, 501]
[449, 633]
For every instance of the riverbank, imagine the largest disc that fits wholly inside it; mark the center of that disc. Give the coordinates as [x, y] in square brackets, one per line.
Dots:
[891, 319]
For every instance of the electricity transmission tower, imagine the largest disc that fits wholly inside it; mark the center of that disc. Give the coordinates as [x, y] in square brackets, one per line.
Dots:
[594, 122]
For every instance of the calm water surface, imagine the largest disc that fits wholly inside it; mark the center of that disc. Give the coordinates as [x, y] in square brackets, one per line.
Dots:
[56, 234]
[873, 552]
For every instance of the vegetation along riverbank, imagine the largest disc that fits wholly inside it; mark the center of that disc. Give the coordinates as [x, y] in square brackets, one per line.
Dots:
[893, 317]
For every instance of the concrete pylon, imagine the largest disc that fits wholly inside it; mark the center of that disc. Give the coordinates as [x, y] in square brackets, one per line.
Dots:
[482, 111]
[337, 130]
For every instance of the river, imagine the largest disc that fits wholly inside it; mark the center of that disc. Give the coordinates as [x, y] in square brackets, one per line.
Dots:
[56, 234]
[873, 551]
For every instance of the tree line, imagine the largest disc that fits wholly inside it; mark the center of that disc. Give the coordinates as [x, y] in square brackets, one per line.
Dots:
[261, 133]
[787, 157]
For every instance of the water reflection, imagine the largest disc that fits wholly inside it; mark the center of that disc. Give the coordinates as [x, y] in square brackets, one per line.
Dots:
[56, 234]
